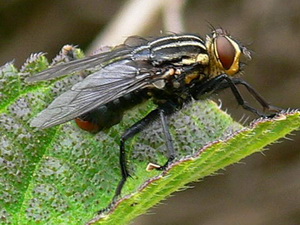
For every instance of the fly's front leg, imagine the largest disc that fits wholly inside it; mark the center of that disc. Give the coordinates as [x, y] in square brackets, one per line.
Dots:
[232, 82]
[257, 96]
[240, 98]
[222, 82]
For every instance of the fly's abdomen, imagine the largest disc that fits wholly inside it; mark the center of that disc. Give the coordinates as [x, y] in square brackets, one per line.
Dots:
[99, 119]
[105, 116]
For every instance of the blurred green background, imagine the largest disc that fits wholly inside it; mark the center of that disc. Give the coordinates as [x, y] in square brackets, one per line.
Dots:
[264, 188]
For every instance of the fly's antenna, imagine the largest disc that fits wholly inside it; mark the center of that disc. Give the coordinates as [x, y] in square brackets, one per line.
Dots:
[210, 26]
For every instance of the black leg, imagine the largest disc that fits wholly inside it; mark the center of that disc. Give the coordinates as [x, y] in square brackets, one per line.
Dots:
[239, 97]
[223, 81]
[232, 82]
[201, 90]
[257, 96]
[129, 133]
[161, 112]
[168, 137]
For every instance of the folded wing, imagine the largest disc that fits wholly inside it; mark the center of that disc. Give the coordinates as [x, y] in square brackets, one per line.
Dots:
[105, 85]
[91, 63]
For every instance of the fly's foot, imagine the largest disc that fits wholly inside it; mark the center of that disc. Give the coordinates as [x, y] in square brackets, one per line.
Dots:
[152, 166]
[274, 111]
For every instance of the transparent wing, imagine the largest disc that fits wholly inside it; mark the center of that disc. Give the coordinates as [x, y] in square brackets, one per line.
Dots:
[93, 63]
[101, 87]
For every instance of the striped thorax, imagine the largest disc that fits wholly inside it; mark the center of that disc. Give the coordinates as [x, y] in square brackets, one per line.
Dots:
[172, 49]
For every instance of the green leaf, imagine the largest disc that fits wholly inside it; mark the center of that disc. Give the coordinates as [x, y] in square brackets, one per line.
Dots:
[63, 175]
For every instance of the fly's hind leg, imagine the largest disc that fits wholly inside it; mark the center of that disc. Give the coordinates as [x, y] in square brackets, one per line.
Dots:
[161, 112]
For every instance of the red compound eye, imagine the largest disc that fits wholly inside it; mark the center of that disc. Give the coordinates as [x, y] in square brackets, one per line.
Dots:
[226, 52]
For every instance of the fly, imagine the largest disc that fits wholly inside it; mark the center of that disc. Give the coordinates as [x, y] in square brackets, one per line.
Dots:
[170, 70]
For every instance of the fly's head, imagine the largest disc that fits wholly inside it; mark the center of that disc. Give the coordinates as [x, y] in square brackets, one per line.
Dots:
[224, 54]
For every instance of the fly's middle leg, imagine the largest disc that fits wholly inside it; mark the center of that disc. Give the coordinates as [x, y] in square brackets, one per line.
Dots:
[161, 112]
[168, 139]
